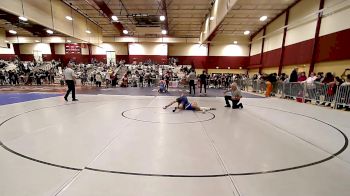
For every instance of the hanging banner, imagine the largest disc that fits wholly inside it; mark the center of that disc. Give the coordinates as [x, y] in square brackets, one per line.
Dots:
[73, 48]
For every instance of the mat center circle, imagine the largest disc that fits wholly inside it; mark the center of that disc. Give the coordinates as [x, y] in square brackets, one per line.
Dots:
[159, 115]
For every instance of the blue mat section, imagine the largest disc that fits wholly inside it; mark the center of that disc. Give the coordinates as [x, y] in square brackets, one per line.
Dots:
[11, 98]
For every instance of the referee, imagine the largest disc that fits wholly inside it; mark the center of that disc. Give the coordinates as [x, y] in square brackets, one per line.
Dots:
[69, 77]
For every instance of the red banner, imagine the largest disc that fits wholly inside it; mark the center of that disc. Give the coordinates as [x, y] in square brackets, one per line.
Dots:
[73, 48]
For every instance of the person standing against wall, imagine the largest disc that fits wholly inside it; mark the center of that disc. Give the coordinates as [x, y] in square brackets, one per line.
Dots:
[69, 77]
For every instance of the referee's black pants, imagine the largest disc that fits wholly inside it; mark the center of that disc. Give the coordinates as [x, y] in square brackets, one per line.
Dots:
[71, 87]
[192, 85]
[235, 103]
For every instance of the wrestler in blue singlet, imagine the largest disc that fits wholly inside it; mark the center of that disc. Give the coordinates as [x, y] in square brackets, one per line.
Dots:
[184, 101]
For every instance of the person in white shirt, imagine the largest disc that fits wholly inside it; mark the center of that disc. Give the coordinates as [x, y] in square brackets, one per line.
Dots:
[108, 79]
[69, 77]
[234, 94]
[311, 79]
[310, 86]
[347, 81]
[191, 78]
[98, 79]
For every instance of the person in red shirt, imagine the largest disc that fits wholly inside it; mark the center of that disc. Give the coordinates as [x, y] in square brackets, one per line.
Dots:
[302, 77]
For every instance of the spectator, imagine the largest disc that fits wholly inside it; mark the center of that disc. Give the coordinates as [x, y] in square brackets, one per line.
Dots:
[108, 79]
[347, 81]
[125, 81]
[329, 78]
[319, 77]
[311, 79]
[269, 79]
[141, 76]
[302, 77]
[294, 75]
[167, 80]
[98, 79]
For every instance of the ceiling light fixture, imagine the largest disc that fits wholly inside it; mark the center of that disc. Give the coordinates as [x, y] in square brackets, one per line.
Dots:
[212, 18]
[49, 31]
[246, 32]
[23, 18]
[69, 18]
[164, 32]
[161, 18]
[37, 41]
[87, 31]
[114, 18]
[235, 42]
[263, 18]
[13, 32]
[125, 31]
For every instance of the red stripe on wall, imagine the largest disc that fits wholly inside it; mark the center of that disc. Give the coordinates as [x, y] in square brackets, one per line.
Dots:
[65, 58]
[16, 49]
[7, 57]
[254, 66]
[254, 60]
[334, 47]
[299, 53]
[197, 61]
[142, 58]
[272, 58]
[223, 62]
[26, 57]
[122, 57]
[211, 62]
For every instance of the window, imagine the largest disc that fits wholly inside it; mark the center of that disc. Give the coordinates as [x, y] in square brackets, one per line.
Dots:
[38, 55]
[111, 58]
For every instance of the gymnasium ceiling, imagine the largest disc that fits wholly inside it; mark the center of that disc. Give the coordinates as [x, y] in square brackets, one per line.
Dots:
[8, 26]
[185, 17]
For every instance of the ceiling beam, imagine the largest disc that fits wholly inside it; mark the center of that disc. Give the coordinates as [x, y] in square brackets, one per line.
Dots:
[35, 29]
[165, 13]
[219, 11]
[108, 13]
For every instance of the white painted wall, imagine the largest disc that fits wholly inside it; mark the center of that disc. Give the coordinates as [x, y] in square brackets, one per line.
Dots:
[336, 17]
[7, 50]
[85, 51]
[118, 48]
[228, 50]
[188, 50]
[3, 43]
[29, 48]
[148, 49]
[305, 28]
[274, 34]
[256, 44]
[60, 49]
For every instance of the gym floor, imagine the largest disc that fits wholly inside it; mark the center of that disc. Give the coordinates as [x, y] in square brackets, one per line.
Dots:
[128, 145]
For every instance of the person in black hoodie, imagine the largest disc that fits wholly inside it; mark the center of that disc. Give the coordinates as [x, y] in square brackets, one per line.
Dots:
[294, 75]
[203, 82]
